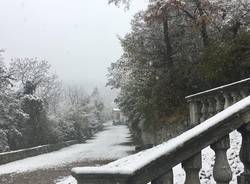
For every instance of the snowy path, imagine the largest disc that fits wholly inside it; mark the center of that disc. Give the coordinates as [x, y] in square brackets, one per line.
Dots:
[106, 145]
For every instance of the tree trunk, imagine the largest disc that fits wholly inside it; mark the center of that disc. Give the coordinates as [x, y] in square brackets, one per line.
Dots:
[203, 29]
[168, 54]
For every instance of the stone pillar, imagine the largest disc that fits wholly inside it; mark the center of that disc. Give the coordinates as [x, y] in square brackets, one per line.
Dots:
[244, 178]
[211, 107]
[219, 103]
[165, 179]
[236, 96]
[228, 100]
[192, 168]
[222, 171]
[204, 110]
[243, 93]
[194, 112]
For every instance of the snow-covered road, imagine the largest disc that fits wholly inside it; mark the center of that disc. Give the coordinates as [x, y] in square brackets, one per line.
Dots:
[105, 145]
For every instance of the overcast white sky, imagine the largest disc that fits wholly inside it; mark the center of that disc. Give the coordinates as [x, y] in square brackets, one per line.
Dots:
[77, 37]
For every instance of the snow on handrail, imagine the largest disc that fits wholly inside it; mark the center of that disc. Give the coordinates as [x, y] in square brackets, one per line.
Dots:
[130, 164]
[218, 88]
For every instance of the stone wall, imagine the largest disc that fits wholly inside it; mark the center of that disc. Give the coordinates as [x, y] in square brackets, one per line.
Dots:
[158, 133]
[162, 132]
[11, 156]
[6, 157]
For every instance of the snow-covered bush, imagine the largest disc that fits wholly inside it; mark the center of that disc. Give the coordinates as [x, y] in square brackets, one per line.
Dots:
[36, 110]
[97, 108]
[36, 128]
[80, 114]
[3, 141]
[11, 114]
[15, 138]
[61, 130]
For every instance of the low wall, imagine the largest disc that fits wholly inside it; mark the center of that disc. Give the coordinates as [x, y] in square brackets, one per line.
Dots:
[11, 156]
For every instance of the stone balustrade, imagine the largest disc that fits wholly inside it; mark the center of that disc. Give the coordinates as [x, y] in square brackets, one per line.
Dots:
[213, 115]
[208, 103]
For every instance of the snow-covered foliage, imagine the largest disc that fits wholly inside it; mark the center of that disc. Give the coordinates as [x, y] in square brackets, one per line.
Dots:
[4, 146]
[177, 48]
[34, 76]
[36, 129]
[78, 114]
[11, 114]
[119, 2]
[97, 105]
[35, 109]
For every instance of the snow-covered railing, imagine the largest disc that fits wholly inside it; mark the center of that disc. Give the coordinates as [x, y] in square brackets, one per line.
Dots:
[207, 103]
[153, 164]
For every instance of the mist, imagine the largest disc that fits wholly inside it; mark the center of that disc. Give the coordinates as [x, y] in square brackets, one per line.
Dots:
[78, 38]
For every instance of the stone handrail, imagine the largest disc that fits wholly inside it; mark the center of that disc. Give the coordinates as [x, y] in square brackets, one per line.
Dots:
[229, 87]
[207, 103]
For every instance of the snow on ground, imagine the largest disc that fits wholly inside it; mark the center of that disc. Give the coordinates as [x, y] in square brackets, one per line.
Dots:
[104, 146]
[206, 173]
[66, 180]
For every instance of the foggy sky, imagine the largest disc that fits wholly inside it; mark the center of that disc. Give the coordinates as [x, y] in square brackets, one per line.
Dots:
[77, 37]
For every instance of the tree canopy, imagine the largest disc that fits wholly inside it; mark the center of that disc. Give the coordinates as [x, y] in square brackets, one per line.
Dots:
[178, 48]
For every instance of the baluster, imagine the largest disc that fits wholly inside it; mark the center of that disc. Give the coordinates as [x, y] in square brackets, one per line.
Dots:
[192, 168]
[194, 112]
[244, 178]
[211, 107]
[222, 171]
[204, 110]
[244, 93]
[219, 103]
[228, 101]
[235, 96]
[165, 179]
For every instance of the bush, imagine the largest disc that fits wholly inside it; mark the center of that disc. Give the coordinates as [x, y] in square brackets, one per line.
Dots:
[36, 129]
[227, 61]
[3, 141]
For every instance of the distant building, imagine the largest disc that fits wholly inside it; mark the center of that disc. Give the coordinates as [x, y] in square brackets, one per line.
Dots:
[118, 117]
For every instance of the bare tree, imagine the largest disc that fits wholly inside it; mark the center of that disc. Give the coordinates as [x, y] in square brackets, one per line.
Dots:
[36, 76]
